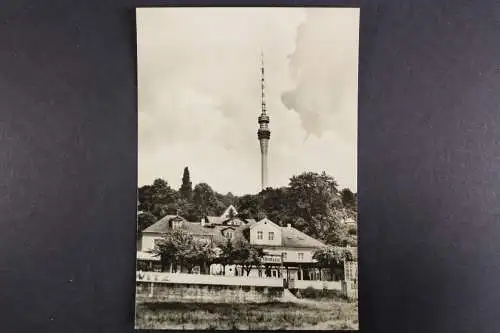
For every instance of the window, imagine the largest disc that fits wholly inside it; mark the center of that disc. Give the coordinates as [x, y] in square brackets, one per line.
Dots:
[283, 255]
[229, 234]
[260, 235]
[271, 236]
[301, 256]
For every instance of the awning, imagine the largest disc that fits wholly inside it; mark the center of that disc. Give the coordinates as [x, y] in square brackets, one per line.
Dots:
[147, 256]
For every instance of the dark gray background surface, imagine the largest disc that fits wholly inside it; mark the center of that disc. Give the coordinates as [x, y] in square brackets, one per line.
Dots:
[428, 165]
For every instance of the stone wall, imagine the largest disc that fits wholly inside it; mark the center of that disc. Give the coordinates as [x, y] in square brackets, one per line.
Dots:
[169, 292]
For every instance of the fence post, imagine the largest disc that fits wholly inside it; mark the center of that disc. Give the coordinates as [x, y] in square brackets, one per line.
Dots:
[151, 288]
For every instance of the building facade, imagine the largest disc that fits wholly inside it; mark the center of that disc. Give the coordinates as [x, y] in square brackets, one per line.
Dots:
[288, 252]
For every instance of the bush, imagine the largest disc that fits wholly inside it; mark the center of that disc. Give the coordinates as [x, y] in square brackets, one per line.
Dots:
[310, 292]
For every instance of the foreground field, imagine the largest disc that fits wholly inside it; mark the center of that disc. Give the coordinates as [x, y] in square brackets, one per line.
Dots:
[317, 315]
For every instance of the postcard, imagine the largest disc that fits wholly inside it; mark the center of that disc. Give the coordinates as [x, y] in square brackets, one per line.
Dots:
[247, 161]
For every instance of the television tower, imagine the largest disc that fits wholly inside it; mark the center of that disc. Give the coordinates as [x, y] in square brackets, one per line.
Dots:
[263, 134]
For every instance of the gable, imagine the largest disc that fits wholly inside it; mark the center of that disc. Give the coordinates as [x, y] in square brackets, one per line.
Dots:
[267, 222]
[228, 211]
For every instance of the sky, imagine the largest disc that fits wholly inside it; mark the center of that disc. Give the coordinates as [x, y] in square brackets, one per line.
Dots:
[199, 94]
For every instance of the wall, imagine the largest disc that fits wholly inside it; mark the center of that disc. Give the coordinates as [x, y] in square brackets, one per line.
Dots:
[147, 241]
[205, 279]
[167, 292]
[265, 226]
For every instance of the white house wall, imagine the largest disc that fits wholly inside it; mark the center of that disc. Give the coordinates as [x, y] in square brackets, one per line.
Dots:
[148, 241]
[265, 228]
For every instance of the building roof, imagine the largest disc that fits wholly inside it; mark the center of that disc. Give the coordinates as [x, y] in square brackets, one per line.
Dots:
[218, 236]
[215, 219]
[163, 225]
[233, 221]
[195, 228]
[250, 221]
[291, 237]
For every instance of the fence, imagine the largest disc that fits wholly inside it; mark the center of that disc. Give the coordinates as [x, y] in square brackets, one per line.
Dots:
[203, 279]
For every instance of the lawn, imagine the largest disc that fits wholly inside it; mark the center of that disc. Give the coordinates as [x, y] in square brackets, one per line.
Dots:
[320, 315]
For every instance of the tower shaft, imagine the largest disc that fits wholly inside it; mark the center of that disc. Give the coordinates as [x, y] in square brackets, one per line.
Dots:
[263, 159]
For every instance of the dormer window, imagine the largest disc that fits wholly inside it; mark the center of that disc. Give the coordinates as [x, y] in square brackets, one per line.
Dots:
[176, 223]
[229, 234]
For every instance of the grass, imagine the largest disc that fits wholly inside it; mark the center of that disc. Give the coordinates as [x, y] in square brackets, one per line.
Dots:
[327, 315]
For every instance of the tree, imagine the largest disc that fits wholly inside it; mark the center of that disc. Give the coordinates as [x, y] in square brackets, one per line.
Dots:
[178, 247]
[227, 199]
[250, 206]
[226, 256]
[315, 203]
[157, 198]
[186, 209]
[144, 220]
[186, 189]
[247, 255]
[204, 200]
[145, 198]
[333, 258]
[348, 199]
[276, 203]
[197, 253]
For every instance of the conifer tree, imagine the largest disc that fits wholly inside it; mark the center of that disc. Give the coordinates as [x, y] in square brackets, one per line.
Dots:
[186, 189]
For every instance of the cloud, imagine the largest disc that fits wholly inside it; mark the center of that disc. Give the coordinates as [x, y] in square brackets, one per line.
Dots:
[324, 66]
[199, 99]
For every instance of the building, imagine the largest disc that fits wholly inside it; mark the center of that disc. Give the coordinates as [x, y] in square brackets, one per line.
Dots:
[288, 252]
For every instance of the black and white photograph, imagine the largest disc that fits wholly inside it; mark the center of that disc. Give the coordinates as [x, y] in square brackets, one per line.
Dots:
[247, 169]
